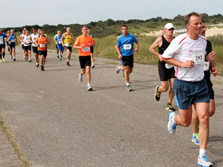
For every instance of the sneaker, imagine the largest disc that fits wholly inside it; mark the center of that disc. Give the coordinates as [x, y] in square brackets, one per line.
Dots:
[171, 127]
[195, 139]
[170, 107]
[42, 68]
[129, 88]
[68, 63]
[157, 93]
[0, 60]
[30, 61]
[203, 161]
[117, 69]
[3, 59]
[60, 58]
[14, 59]
[80, 78]
[37, 65]
[89, 88]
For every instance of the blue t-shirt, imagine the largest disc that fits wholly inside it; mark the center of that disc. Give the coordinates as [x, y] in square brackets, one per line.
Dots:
[58, 39]
[12, 39]
[126, 44]
[2, 39]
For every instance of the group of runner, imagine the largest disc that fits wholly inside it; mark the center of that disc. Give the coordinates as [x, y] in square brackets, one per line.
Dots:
[184, 66]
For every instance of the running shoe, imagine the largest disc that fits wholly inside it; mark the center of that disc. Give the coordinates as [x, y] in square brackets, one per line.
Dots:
[30, 61]
[68, 64]
[0, 60]
[117, 69]
[170, 107]
[14, 59]
[60, 58]
[157, 93]
[171, 127]
[3, 59]
[89, 88]
[203, 161]
[129, 88]
[195, 139]
[42, 68]
[80, 78]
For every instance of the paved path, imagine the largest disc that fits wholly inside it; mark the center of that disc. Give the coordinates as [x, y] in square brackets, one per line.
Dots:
[57, 123]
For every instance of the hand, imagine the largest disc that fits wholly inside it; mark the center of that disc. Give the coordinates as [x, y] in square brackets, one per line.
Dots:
[120, 56]
[135, 49]
[188, 64]
[211, 56]
[160, 58]
[214, 71]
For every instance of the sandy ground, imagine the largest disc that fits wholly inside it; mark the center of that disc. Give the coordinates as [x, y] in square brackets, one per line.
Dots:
[209, 32]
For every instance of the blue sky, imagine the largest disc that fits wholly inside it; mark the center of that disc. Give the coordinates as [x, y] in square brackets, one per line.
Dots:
[26, 12]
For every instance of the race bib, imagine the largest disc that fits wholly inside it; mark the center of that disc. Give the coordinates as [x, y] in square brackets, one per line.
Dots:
[42, 45]
[127, 46]
[206, 66]
[67, 44]
[12, 40]
[86, 49]
[1, 42]
[168, 66]
[198, 57]
[59, 42]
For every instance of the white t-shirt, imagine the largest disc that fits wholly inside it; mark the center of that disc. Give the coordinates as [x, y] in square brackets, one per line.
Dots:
[26, 40]
[34, 38]
[183, 48]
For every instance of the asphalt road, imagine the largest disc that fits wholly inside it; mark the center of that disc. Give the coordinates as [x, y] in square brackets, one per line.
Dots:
[58, 123]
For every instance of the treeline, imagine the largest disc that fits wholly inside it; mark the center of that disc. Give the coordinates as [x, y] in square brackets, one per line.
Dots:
[112, 27]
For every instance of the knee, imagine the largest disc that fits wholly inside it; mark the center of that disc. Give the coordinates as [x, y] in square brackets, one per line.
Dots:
[186, 123]
[165, 88]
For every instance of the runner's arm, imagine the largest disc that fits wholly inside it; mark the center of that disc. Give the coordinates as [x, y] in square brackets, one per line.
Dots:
[118, 51]
[137, 47]
[157, 43]
[186, 64]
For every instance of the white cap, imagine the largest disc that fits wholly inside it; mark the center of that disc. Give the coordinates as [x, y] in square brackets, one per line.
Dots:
[169, 26]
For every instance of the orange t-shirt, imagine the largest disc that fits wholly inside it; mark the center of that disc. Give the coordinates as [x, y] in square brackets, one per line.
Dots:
[86, 42]
[42, 43]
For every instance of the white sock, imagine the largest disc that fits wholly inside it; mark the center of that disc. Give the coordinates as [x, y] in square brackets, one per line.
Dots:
[173, 120]
[89, 85]
[127, 84]
[67, 60]
[202, 152]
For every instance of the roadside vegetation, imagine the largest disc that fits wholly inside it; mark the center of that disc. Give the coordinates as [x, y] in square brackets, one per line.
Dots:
[106, 32]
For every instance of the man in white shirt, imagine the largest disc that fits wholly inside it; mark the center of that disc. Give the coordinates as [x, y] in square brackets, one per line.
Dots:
[187, 53]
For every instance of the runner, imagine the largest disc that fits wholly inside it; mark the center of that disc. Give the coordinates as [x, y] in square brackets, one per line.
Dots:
[59, 46]
[42, 42]
[22, 43]
[34, 37]
[92, 48]
[27, 45]
[166, 72]
[12, 40]
[209, 66]
[187, 53]
[2, 46]
[125, 49]
[83, 43]
[56, 45]
[8, 34]
[67, 40]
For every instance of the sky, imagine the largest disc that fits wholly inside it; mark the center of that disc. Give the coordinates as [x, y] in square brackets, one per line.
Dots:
[16, 13]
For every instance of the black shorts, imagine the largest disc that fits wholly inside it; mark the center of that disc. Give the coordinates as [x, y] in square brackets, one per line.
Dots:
[128, 61]
[164, 73]
[12, 46]
[44, 53]
[26, 48]
[22, 46]
[92, 49]
[1, 47]
[207, 77]
[35, 49]
[85, 61]
[69, 48]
